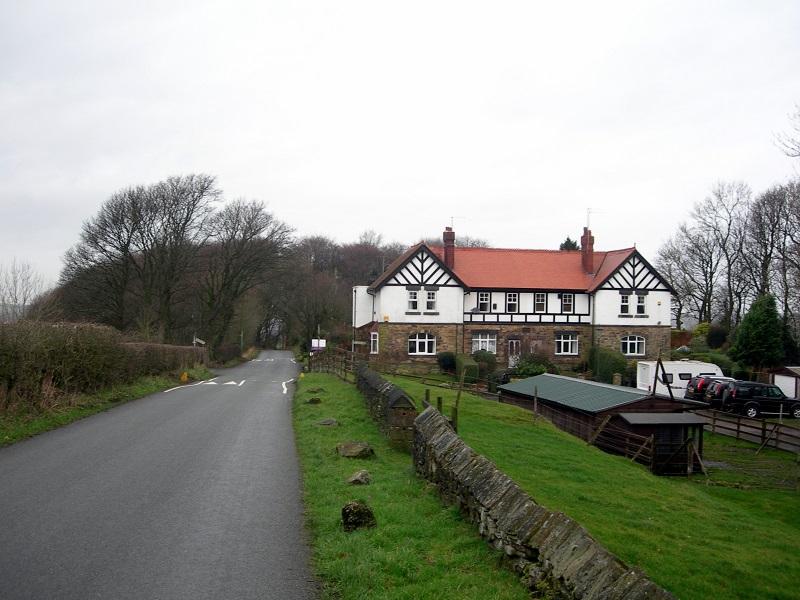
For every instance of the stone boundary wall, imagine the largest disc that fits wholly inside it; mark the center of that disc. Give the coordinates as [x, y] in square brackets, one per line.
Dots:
[554, 555]
[390, 407]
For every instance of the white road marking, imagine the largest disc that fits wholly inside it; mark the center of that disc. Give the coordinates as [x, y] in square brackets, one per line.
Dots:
[283, 385]
[209, 382]
[229, 383]
[189, 385]
[293, 360]
[241, 382]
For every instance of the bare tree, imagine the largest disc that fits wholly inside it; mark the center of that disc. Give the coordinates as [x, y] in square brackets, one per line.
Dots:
[790, 142]
[19, 286]
[245, 243]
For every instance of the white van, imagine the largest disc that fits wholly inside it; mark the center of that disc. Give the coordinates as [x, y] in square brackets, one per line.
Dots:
[678, 374]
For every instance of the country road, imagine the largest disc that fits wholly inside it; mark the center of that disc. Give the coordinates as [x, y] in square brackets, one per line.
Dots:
[193, 493]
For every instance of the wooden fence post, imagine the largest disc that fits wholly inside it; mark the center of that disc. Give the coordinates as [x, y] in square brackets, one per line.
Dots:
[738, 426]
[439, 405]
[454, 418]
[427, 397]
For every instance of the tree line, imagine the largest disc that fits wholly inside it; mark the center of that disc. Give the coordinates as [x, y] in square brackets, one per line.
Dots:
[735, 247]
[173, 261]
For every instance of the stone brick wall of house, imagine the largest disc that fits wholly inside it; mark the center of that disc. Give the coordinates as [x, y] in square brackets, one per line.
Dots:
[657, 338]
[547, 549]
[540, 339]
[536, 338]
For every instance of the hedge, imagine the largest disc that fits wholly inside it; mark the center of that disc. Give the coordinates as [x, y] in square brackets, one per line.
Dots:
[41, 361]
[464, 362]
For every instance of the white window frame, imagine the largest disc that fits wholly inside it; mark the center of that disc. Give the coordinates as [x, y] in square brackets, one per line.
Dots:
[487, 301]
[430, 300]
[633, 342]
[536, 302]
[571, 303]
[624, 304]
[413, 300]
[641, 304]
[484, 341]
[373, 342]
[512, 298]
[424, 341]
[566, 344]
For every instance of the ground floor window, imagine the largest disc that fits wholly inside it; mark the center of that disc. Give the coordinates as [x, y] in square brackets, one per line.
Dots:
[567, 344]
[484, 341]
[632, 345]
[422, 343]
[373, 342]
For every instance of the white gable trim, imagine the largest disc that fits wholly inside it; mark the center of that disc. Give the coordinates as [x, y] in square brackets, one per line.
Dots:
[635, 274]
[423, 268]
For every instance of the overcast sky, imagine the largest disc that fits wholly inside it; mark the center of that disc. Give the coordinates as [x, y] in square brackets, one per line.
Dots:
[511, 117]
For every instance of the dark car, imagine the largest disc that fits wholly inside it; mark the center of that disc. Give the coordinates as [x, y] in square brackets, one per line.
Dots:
[753, 399]
[697, 386]
[715, 391]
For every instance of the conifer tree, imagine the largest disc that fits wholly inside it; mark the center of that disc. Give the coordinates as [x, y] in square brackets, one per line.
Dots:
[759, 339]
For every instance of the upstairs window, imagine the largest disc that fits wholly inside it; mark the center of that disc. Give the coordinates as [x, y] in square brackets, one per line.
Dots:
[632, 345]
[430, 300]
[641, 305]
[512, 302]
[483, 301]
[539, 302]
[421, 344]
[624, 304]
[567, 303]
[373, 342]
[413, 300]
[484, 341]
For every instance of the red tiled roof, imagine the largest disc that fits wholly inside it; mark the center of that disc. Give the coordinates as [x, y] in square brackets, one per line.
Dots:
[532, 269]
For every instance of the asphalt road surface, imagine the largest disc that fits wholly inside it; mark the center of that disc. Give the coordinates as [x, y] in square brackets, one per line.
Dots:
[193, 493]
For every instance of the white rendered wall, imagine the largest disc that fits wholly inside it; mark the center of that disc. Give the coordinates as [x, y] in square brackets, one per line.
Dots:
[362, 306]
[393, 303]
[607, 305]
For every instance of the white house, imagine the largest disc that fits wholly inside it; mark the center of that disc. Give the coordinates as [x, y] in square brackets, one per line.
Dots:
[509, 301]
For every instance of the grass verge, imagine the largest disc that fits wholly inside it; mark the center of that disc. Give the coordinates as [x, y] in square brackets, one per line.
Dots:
[695, 540]
[18, 426]
[420, 549]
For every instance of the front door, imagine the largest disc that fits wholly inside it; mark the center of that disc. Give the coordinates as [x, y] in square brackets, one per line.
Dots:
[514, 349]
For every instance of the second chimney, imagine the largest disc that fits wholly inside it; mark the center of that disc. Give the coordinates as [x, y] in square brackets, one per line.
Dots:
[449, 239]
[587, 250]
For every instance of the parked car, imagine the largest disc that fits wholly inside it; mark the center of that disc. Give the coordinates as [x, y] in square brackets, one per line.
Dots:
[715, 390]
[754, 399]
[697, 386]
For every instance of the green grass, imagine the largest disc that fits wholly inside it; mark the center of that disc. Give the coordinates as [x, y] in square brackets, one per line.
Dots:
[420, 549]
[17, 426]
[697, 541]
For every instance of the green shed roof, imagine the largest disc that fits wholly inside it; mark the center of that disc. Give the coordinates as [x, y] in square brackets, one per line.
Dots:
[589, 396]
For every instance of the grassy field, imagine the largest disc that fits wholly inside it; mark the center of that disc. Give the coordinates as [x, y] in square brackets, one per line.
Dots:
[419, 549]
[697, 541]
[18, 426]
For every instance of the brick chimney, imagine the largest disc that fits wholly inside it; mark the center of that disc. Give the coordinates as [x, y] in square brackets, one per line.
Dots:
[449, 238]
[587, 250]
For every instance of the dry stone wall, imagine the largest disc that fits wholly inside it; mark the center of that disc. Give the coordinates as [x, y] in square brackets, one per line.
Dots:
[554, 555]
[390, 407]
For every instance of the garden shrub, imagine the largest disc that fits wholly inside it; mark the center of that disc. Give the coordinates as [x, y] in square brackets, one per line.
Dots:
[604, 363]
[717, 335]
[487, 363]
[466, 364]
[532, 364]
[446, 361]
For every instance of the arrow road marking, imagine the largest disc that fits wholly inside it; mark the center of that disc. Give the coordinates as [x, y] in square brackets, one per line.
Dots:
[283, 385]
[210, 381]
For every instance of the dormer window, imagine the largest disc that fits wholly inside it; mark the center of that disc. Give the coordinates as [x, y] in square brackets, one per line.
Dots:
[483, 301]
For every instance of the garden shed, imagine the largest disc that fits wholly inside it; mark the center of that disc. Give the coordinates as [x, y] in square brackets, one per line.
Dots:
[788, 379]
[653, 430]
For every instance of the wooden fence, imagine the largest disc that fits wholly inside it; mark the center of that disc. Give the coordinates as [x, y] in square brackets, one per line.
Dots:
[759, 431]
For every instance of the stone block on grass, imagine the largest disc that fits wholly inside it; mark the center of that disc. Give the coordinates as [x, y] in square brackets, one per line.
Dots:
[356, 514]
[355, 450]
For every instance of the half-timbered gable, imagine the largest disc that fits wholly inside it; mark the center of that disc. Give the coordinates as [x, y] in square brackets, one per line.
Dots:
[422, 268]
